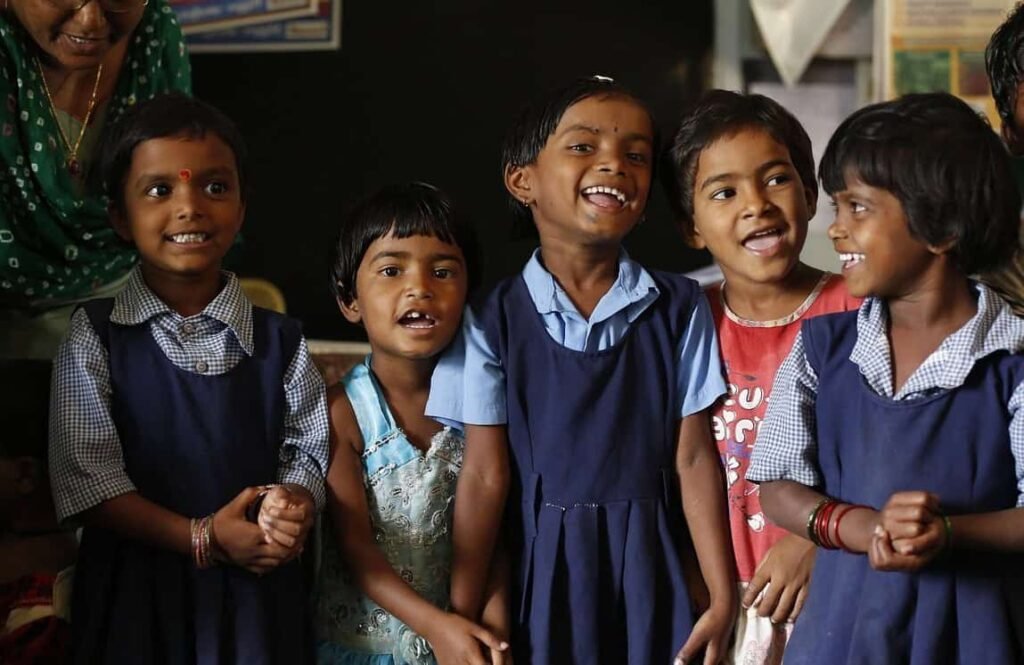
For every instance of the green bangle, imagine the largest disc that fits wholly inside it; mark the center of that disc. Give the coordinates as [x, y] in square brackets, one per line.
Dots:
[948, 525]
[811, 535]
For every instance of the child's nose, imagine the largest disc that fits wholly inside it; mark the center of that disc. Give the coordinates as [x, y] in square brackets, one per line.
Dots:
[189, 203]
[611, 162]
[418, 286]
[755, 203]
[836, 230]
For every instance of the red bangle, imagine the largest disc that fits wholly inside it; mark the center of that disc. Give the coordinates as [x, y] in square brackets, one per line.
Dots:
[839, 518]
[823, 522]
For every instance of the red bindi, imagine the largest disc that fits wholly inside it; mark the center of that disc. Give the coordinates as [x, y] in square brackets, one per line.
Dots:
[185, 174]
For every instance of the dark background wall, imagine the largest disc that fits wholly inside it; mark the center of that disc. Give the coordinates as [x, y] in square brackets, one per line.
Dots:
[425, 91]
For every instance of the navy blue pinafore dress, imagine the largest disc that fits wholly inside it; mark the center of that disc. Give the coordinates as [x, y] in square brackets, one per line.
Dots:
[965, 608]
[595, 522]
[191, 444]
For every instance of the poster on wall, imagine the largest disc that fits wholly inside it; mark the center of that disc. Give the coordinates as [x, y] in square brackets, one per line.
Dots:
[318, 32]
[199, 16]
[929, 46]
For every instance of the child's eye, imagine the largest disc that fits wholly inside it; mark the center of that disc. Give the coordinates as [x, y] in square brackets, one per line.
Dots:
[856, 207]
[581, 147]
[444, 273]
[778, 179]
[637, 157]
[217, 188]
[723, 194]
[390, 271]
[158, 190]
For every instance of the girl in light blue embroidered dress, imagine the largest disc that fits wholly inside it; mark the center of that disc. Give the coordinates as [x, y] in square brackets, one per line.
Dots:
[409, 495]
[402, 270]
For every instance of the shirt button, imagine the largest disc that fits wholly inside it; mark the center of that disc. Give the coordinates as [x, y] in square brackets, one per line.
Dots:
[187, 329]
[201, 367]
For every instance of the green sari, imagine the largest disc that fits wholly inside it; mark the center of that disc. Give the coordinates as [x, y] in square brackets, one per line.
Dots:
[56, 243]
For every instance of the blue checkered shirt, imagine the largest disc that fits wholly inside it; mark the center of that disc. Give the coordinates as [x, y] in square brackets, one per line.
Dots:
[786, 448]
[86, 462]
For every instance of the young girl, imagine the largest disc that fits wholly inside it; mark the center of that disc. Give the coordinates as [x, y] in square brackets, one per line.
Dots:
[587, 379]
[402, 267]
[895, 436]
[173, 405]
[741, 176]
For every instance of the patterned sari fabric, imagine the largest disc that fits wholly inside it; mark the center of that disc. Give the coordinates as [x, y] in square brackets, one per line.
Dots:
[55, 244]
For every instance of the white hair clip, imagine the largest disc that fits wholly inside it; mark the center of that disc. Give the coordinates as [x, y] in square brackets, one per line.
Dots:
[603, 79]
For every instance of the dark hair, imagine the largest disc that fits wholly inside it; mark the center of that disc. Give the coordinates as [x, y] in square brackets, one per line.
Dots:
[949, 170]
[171, 114]
[1004, 63]
[403, 210]
[720, 113]
[24, 408]
[536, 123]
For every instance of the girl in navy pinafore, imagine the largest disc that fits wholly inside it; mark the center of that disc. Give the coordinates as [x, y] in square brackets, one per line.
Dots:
[191, 443]
[895, 436]
[600, 432]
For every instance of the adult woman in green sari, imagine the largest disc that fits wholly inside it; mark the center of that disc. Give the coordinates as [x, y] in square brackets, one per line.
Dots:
[68, 68]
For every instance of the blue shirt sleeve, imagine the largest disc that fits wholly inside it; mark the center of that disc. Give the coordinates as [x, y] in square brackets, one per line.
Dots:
[699, 375]
[468, 384]
[787, 446]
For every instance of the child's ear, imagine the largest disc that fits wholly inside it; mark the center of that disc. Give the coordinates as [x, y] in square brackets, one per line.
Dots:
[812, 202]
[518, 183]
[944, 247]
[119, 222]
[350, 310]
[691, 235]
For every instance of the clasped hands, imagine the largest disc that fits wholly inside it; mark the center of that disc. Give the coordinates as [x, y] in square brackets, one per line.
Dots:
[283, 519]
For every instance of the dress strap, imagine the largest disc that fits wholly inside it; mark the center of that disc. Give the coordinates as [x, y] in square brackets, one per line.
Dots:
[371, 409]
[98, 312]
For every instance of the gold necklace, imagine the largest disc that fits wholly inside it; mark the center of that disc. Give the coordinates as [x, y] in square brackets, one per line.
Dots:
[72, 162]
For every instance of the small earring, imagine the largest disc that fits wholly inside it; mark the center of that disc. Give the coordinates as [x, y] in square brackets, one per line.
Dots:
[525, 202]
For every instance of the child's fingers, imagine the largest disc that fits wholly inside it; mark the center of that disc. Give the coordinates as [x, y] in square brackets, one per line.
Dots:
[756, 586]
[500, 657]
[281, 538]
[489, 639]
[900, 529]
[784, 606]
[922, 544]
[269, 522]
[798, 606]
[925, 500]
[770, 599]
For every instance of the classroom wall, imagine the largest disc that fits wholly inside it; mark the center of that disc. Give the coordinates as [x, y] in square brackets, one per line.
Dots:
[425, 91]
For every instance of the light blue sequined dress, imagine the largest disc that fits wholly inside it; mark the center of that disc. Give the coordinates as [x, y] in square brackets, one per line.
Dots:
[410, 495]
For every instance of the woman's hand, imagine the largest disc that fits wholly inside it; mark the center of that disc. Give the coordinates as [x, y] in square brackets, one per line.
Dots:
[779, 586]
[458, 641]
[287, 514]
[235, 540]
[711, 633]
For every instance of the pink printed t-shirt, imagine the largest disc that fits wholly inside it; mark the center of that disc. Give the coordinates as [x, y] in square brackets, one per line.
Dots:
[752, 352]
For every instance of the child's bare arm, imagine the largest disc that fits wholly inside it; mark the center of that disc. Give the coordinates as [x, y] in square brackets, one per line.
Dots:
[234, 540]
[479, 506]
[701, 485]
[453, 638]
[495, 615]
[789, 504]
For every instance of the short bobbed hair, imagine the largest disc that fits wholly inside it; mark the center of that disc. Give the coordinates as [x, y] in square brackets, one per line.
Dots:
[169, 115]
[536, 123]
[950, 172]
[402, 210]
[723, 113]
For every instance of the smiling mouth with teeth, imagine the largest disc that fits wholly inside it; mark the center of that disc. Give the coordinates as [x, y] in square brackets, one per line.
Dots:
[850, 259]
[188, 238]
[416, 319]
[606, 197]
[763, 240]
